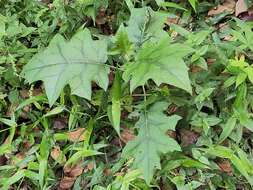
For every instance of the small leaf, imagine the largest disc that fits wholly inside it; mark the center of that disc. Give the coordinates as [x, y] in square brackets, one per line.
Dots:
[55, 111]
[146, 25]
[230, 81]
[240, 79]
[80, 155]
[228, 128]
[193, 4]
[172, 5]
[249, 71]
[122, 45]
[116, 102]
[8, 122]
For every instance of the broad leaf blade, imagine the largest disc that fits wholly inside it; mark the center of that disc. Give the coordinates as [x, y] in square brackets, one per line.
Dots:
[152, 140]
[163, 63]
[77, 62]
[146, 25]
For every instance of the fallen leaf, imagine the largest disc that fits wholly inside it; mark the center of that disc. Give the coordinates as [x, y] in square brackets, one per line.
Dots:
[240, 7]
[210, 61]
[67, 183]
[173, 20]
[250, 10]
[77, 135]
[172, 134]
[26, 93]
[3, 160]
[90, 166]
[57, 155]
[172, 109]
[24, 186]
[188, 137]
[119, 174]
[227, 6]
[127, 135]
[27, 144]
[101, 17]
[111, 77]
[11, 109]
[73, 171]
[17, 159]
[59, 123]
[107, 172]
[225, 166]
[227, 38]
[25, 111]
[195, 69]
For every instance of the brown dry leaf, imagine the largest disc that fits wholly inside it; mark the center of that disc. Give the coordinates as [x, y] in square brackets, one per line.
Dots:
[227, 38]
[11, 109]
[195, 69]
[210, 61]
[127, 135]
[101, 17]
[225, 166]
[25, 111]
[77, 135]
[111, 77]
[3, 160]
[55, 153]
[73, 171]
[188, 137]
[17, 160]
[26, 93]
[107, 172]
[240, 7]
[119, 174]
[67, 183]
[172, 109]
[172, 134]
[90, 166]
[173, 20]
[227, 6]
[59, 123]
[27, 144]
[250, 10]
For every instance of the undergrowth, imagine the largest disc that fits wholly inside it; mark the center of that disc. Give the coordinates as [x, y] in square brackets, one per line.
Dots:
[124, 95]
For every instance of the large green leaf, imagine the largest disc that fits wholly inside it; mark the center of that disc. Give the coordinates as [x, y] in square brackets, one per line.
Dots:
[162, 62]
[145, 24]
[77, 62]
[152, 139]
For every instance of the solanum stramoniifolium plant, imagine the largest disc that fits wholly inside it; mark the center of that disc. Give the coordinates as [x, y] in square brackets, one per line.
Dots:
[162, 102]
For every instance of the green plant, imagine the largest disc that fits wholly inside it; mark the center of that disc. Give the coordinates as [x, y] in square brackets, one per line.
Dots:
[130, 95]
